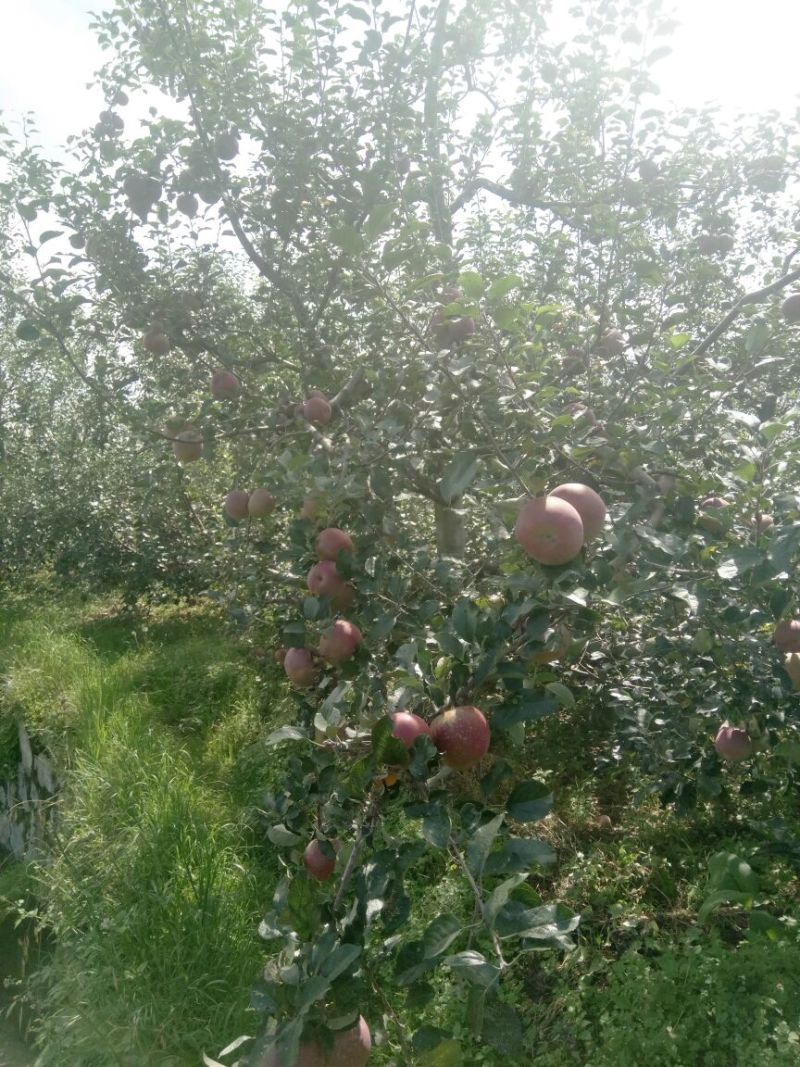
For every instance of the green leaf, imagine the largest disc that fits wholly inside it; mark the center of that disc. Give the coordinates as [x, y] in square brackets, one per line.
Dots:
[446, 1054]
[379, 219]
[562, 694]
[312, 990]
[386, 748]
[349, 239]
[473, 967]
[459, 474]
[472, 284]
[740, 563]
[529, 802]
[27, 331]
[340, 960]
[436, 828]
[500, 896]
[519, 854]
[503, 1029]
[480, 844]
[286, 733]
[440, 935]
[524, 710]
[280, 835]
[500, 288]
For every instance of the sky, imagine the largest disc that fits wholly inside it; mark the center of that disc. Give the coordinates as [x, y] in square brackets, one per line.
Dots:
[742, 55]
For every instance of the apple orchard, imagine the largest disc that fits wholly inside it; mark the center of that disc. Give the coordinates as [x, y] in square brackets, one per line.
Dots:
[459, 369]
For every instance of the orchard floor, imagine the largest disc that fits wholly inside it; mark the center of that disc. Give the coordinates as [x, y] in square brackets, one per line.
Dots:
[158, 872]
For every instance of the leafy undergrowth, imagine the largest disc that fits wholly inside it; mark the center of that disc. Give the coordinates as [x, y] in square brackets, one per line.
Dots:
[160, 871]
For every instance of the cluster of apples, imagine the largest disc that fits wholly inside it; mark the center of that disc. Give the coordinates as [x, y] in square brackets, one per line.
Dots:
[712, 516]
[553, 529]
[734, 743]
[339, 643]
[241, 504]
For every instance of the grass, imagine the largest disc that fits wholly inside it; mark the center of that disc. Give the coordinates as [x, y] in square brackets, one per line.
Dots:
[157, 879]
[160, 873]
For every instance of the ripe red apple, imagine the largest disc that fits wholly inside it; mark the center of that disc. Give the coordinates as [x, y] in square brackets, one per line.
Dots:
[762, 522]
[408, 727]
[236, 503]
[733, 743]
[550, 530]
[648, 170]
[708, 521]
[582, 413]
[224, 385]
[341, 642]
[261, 503]
[188, 445]
[724, 242]
[351, 1048]
[613, 343]
[791, 308]
[462, 735]
[301, 667]
[461, 329]
[787, 635]
[588, 504]
[317, 862]
[310, 508]
[791, 664]
[157, 342]
[331, 542]
[316, 409]
[324, 580]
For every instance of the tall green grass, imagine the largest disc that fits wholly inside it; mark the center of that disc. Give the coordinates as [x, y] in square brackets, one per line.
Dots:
[156, 880]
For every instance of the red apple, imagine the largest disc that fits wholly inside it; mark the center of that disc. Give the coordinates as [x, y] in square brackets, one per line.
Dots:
[762, 522]
[331, 542]
[261, 503]
[791, 664]
[550, 530]
[462, 735]
[791, 308]
[587, 503]
[582, 413]
[224, 385]
[324, 580]
[733, 743]
[341, 642]
[613, 343]
[408, 727]
[188, 445]
[316, 409]
[351, 1048]
[648, 170]
[236, 503]
[310, 508]
[301, 667]
[319, 864]
[707, 519]
[157, 342]
[787, 635]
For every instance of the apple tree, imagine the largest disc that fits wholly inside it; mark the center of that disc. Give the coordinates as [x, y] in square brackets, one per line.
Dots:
[468, 355]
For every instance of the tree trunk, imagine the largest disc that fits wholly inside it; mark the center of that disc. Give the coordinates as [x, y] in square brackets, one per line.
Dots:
[450, 533]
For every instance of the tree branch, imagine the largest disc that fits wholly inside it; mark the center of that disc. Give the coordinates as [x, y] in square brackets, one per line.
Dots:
[748, 298]
[557, 207]
[440, 214]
